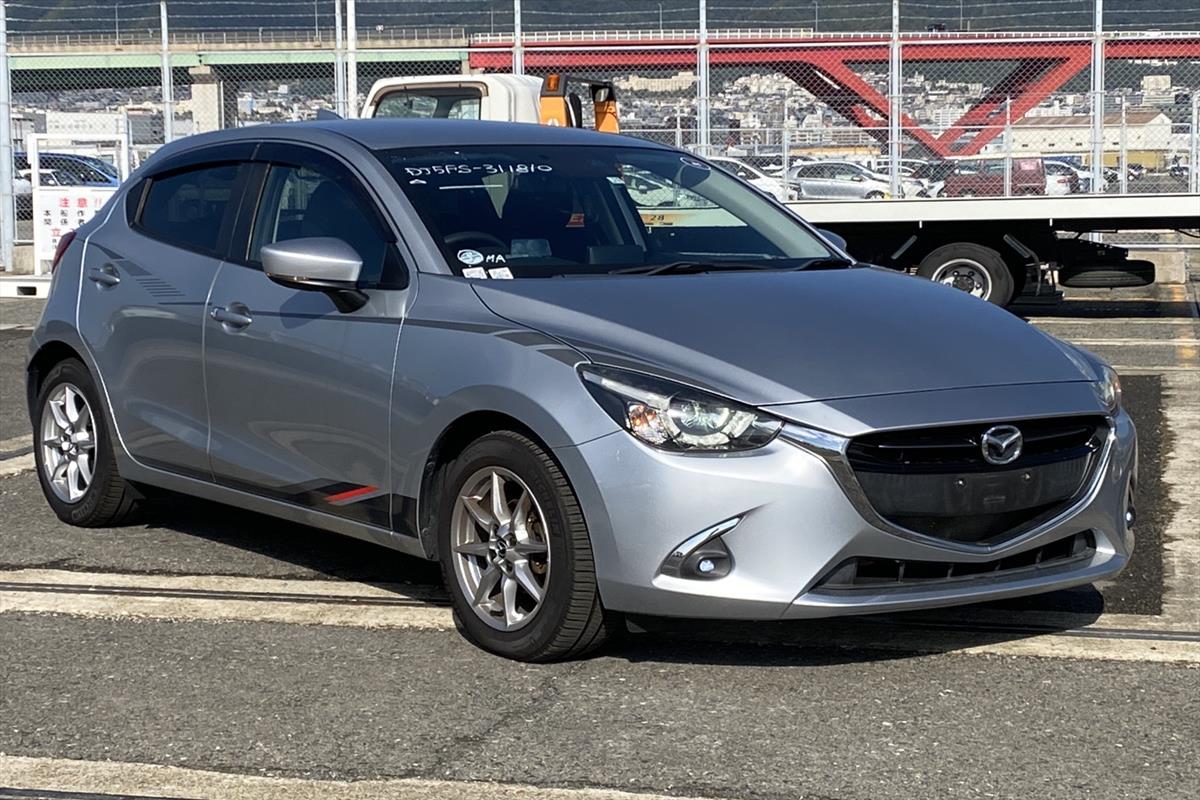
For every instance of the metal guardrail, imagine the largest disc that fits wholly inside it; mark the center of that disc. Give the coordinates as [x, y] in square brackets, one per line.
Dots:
[265, 36]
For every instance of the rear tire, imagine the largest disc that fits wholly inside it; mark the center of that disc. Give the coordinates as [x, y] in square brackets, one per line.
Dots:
[535, 537]
[76, 463]
[973, 268]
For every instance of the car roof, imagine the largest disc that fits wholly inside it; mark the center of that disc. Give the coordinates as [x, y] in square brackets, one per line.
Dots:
[391, 133]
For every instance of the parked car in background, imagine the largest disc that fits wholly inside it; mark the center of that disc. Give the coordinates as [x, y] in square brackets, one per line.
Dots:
[50, 177]
[755, 177]
[1063, 178]
[87, 170]
[985, 178]
[839, 180]
[932, 176]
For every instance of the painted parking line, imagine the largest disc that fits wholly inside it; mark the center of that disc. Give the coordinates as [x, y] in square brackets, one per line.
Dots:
[67, 779]
[206, 598]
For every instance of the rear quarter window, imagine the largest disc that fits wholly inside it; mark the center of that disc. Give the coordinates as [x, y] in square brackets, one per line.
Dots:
[187, 208]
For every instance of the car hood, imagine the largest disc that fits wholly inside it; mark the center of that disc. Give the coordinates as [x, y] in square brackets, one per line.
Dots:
[786, 337]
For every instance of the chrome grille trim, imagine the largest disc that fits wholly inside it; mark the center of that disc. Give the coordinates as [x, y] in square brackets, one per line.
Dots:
[831, 448]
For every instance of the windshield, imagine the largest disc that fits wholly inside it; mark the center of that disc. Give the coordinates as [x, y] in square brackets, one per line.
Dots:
[544, 211]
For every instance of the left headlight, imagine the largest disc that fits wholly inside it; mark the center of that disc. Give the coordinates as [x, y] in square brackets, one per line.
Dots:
[1109, 389]
[670, 416]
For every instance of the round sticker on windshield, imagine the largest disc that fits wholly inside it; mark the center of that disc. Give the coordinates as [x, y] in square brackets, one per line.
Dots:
[691, 162]
[470, 257]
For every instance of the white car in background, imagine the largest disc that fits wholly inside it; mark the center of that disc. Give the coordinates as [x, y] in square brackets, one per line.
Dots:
[1063, 177]
[755, 177]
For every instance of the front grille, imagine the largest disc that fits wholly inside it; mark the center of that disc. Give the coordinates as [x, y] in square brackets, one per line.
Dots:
[936, 481]
[888, 573]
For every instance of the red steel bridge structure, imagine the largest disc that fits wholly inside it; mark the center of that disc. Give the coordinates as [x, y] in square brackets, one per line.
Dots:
[1032, 67]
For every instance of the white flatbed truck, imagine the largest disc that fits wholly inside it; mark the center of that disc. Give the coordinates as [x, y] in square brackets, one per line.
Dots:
[999, 248]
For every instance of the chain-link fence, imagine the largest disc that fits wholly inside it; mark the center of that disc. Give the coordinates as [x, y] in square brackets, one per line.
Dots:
[825, 98]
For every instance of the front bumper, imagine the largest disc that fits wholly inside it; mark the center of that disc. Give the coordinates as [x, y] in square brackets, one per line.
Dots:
[798, 521]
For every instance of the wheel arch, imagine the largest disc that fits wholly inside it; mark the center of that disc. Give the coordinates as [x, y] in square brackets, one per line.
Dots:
[452, 440]
[44, 359]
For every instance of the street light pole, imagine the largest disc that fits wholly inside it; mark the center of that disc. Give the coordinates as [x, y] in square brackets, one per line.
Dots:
[117, 21]
[960, 15]
[660, 18]
[816, 16]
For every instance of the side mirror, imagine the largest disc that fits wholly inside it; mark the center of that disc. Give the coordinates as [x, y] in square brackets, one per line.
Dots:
[834, 239]
[317, 264]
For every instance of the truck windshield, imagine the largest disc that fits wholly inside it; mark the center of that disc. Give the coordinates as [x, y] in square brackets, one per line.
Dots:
[543, 211]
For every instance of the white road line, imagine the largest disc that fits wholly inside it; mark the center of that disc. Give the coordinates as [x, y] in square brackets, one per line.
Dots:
[332, 603]
[1135, 342]
[1113, 320]
[16, 443]
[1181, 474]
[16, 465]
[283, 601]
[155, 780]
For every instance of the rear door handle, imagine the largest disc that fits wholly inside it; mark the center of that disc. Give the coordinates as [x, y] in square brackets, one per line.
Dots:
[235, 316]
[104, 276]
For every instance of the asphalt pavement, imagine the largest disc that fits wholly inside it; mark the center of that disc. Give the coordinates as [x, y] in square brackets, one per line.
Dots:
[210, 652]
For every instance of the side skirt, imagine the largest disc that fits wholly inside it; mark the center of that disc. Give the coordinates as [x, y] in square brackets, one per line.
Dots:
[132, 470]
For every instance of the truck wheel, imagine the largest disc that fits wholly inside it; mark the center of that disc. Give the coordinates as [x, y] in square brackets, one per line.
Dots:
[973, 268]
[1126, 274]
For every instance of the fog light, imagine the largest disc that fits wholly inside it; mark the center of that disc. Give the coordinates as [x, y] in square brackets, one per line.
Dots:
[703, 556]
[1130, 517]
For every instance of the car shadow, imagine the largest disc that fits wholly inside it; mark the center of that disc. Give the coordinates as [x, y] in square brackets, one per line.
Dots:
[301, 551]
[310, 553]
[844, 640]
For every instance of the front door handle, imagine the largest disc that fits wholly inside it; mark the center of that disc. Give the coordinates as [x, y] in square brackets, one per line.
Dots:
[234, 317]
[104, 276]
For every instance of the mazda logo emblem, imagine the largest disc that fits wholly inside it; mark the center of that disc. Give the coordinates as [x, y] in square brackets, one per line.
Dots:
[1001, 444]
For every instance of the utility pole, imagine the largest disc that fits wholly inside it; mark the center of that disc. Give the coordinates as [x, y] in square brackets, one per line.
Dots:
[316, 22]
[660, 18]
[1098, 98]
[8, 216]
[351, 59]
[518, 54]
[117, 21]
[168, 82]
[895, 87]
[702, 107]
[816, 16]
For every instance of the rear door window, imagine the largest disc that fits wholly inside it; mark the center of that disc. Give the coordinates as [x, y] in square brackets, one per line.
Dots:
[188, 208]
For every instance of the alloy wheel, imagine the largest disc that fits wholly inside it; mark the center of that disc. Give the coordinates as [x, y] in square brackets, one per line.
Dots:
[501, 548]
[68, 443]
[967, 275]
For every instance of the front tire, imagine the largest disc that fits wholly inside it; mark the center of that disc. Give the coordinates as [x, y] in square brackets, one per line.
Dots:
[515, 553]
[76, 464]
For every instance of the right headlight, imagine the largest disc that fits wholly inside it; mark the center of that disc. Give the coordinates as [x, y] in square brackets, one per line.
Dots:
[671, 416]
[1109, 389]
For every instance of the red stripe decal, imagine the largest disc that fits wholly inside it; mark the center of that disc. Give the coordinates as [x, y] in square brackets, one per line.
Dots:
[342, 497]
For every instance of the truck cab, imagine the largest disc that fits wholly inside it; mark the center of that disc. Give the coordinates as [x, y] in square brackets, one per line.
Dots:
[496, 98]
[501, 98]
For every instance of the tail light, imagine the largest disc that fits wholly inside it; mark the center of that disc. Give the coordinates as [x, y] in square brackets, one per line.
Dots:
[63, 244]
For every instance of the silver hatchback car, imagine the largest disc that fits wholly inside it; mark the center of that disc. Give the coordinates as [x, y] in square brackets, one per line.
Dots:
[469, 342]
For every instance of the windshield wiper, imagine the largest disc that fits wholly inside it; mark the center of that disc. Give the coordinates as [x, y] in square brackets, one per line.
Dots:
[830, 262]
[691, 266]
